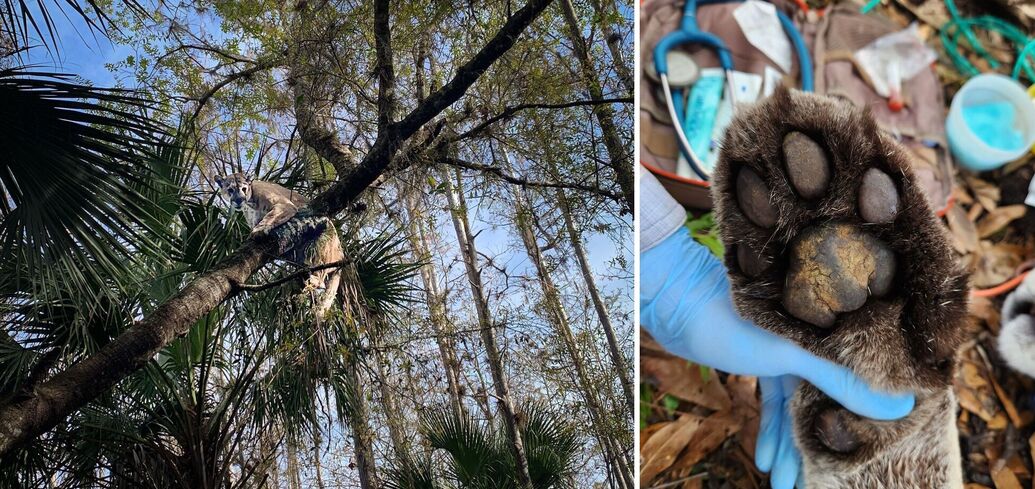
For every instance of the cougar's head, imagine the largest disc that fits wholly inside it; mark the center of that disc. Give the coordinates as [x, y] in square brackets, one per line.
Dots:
[237, 187]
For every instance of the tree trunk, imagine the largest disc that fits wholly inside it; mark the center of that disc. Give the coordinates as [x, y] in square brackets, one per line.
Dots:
[558, 316]
[317, 465]
[458, 210]
[393, 415]
[618, 153]
[362, 436]
[440, 324]
[603, 10]
[598, 303]
[294, 476]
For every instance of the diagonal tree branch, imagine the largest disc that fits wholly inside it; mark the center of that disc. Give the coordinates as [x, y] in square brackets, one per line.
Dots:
[75, 386]
[503, 175]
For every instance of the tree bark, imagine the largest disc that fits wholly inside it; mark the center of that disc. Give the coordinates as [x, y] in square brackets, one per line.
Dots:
[362, 436]
[393, 415]
[458, 210]
[293, 470]
[620, 156]
[558, 317]
[598, 303]
[614, 42]
[78, 384]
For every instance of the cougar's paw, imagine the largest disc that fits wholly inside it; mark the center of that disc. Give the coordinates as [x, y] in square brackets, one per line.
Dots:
[832, 245]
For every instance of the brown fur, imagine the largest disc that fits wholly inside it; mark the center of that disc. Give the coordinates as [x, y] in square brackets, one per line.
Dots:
[906, 340]
[267, 205]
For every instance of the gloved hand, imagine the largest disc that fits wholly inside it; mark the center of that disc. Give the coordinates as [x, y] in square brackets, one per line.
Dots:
[1017, 334]
[685, 304]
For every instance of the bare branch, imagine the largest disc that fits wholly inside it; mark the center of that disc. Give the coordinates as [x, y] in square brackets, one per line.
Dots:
[387, 143]
[473, 69]
[510, 112]
[260, 66]
[305, 272]
[502, 175]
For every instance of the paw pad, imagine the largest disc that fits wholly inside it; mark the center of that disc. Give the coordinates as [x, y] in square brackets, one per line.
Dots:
[834, 269]
[807, 165]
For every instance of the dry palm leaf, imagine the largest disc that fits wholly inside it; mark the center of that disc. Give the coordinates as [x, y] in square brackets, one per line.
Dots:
[999, 218]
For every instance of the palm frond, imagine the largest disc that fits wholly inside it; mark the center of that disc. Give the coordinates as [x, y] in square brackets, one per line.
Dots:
[73, 160]
[384, 274]
[19, 19]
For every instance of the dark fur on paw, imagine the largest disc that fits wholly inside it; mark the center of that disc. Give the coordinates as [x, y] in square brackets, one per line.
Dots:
[832, 245]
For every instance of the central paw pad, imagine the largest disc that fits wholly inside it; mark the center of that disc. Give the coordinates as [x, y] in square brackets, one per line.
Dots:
[834, 269]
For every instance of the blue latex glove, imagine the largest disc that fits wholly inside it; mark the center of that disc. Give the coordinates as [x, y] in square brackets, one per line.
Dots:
[685, 304]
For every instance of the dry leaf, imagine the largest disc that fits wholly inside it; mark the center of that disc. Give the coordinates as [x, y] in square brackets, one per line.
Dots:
[964, 233]
[709, 436]
[972, 376]
[985, 193]
[962, 196]
[969, 400]
[1031, 447]
[995, 263]
[984, 309]
[975, 212]
[679, 378]
[650, 347]
[650, 430]
[745, 402]
[998, 219]
[998, 423]
[659, 453]
[1008, 406]
[1017, 466]
[1003, 477]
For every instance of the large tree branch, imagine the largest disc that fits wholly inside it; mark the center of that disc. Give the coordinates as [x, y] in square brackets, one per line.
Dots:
[74, 387]
[502, 175]
[388, 142]
[384, 68]
[510, 112]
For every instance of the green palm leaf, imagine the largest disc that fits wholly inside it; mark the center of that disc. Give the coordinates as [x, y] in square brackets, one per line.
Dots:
[73, 163]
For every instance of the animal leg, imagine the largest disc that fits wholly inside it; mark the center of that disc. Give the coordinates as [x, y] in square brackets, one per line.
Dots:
[281, 213]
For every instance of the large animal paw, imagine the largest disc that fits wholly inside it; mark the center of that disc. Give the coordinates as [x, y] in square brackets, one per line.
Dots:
[830, 243]
[259, 231]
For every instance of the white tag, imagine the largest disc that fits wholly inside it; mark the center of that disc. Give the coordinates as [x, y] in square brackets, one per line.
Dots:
[773, 78]
[763, 30]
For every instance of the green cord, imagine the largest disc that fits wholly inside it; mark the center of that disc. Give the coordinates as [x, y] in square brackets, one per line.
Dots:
[869, 6]
[952, 29]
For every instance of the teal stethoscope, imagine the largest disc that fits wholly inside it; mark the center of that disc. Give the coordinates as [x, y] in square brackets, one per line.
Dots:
[689, 33]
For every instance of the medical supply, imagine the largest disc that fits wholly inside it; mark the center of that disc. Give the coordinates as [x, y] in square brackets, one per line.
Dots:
[690, 33]
[991, 122]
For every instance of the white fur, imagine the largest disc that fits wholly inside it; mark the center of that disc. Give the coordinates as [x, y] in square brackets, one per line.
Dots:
[1017, 343]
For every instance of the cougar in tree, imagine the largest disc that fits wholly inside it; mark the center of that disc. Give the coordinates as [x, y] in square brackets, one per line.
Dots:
[830, 243]
[267, 205]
